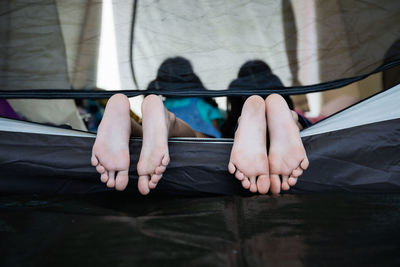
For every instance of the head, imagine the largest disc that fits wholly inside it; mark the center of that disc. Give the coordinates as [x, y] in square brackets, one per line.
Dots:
[177, 73]
[256, 74]
[253, 75]
[254, 68]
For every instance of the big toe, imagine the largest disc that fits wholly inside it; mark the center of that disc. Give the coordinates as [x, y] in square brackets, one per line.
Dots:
[121, 181]
[143, 184]
[275, 184]
[253, 185]
[263, 184]
[111, 179]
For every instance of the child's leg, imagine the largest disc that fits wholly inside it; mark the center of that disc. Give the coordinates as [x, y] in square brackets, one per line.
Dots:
[249, 159]
[158, 124]
[110, 153]
[287, 156]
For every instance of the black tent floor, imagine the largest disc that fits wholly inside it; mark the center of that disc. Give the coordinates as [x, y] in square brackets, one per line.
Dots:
[113, 229]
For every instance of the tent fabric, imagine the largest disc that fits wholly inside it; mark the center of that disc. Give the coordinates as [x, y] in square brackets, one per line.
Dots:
[54, 44]
[80, 23]
[380, 107]
[49, 44]
[57, 112]
[32, 46]
[188, 90]
[303, 42]
[348, 160]
[359, 157]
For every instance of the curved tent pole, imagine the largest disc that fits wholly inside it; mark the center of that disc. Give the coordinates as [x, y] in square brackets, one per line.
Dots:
[134, 8]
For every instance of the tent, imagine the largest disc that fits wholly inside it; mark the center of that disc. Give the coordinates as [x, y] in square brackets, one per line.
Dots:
[49, 50]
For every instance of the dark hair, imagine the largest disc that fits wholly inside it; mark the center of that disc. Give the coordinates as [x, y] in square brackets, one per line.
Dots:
[177, 73]
[253, 75]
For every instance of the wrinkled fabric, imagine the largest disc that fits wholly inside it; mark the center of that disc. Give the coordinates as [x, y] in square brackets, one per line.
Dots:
[357, 159]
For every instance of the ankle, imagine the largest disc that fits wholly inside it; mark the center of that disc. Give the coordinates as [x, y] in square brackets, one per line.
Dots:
[171, 122]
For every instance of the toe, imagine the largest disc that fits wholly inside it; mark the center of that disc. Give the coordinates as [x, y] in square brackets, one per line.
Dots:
[155, 178]
[305, 163]
[160, 170]
[165, 160]
[100, 169]
[263, 184]
[104, 177]
[94, 161]
[292, 181]
[111, 179]
[143, 184]
[297, 172]
[275, 183]
[122, 180]
[239, 175]
[285, 185]
[231, 168]
[253, 185]
[152, 185]
[246, 183]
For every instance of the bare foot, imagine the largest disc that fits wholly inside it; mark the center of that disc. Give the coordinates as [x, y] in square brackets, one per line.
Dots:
[287, 156]
[249, 161]
[154, 156]
[110, 153]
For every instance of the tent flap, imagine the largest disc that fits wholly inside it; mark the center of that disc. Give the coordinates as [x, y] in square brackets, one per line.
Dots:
[357, 159]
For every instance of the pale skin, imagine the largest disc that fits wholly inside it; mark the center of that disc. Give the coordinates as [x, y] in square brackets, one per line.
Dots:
[110, 154]
[287, 158]
[249, 160]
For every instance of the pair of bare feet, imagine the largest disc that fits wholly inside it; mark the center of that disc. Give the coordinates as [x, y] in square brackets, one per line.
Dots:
[110, 154]
[249, 161]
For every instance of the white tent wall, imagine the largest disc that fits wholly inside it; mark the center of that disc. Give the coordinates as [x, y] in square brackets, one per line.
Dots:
[216, 36]
[80, 22]
[332, 39]
[32, 47]
[307, 52]
[353, 38]
[49, 44]
[122, 14]
[54, 43]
